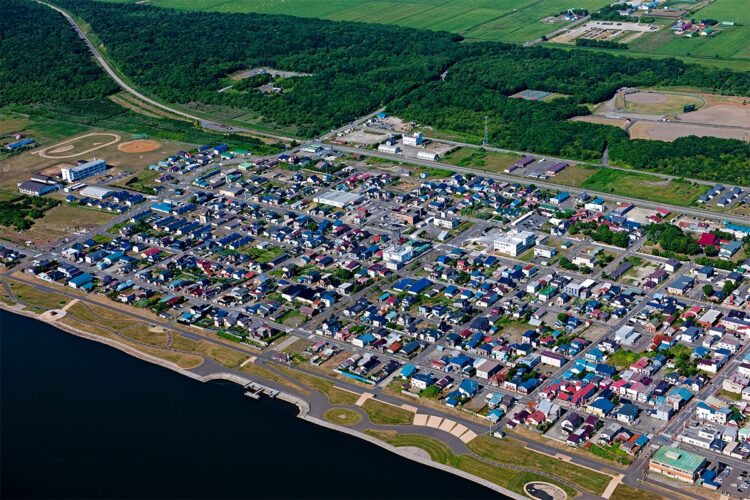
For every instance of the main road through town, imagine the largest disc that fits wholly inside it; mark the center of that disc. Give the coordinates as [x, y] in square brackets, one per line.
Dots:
[695, 212]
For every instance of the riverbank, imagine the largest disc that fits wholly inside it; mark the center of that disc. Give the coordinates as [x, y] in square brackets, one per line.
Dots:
[302, 404]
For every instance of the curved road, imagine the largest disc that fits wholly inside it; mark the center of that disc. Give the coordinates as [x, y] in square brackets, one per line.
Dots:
[207, 124]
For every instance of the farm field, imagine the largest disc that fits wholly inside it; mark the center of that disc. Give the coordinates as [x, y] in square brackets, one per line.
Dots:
[505, 20]
[731, 43]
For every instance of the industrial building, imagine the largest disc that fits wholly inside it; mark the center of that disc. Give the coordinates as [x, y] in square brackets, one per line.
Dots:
[338, 199]
[93, 167]
[34, 188]
[96, 192]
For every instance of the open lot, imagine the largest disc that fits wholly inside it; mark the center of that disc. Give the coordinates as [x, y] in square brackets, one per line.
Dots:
[481, 159]
[634, 184]
[57, 223]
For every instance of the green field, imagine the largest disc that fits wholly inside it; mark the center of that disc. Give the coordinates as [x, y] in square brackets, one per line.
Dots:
[505, 20]
[732, 43]
[631, 184]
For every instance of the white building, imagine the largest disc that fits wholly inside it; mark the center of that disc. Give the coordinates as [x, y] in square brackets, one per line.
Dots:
[414, 140]
[396, 255]
[514, 242]
[389, 148]
[96, 192]
[93, 167]
[427, 155]
[338, 199]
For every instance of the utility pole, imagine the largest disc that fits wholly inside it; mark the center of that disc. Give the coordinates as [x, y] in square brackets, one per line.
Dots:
[486, 132]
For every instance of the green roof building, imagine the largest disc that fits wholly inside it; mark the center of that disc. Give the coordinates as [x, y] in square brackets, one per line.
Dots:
[677, 464]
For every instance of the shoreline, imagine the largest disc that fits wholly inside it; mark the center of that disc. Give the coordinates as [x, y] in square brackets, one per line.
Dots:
[302, 405]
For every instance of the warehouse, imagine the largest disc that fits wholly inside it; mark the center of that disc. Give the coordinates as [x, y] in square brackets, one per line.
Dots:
[338, 199]
[34, 188]
[96, 192]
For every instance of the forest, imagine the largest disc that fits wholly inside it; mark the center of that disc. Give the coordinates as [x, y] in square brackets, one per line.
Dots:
[357, 68]
[43, 59]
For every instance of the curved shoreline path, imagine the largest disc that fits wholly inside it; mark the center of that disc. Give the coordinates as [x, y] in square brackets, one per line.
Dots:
[207, 124]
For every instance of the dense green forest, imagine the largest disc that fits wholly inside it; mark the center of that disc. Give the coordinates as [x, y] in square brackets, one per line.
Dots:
[32, 70]
[356, 67]
[186, 57]
[61, 82]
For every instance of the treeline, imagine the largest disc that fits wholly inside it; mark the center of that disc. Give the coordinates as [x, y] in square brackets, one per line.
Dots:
[709, 158]
[43, 59]
[602, 44]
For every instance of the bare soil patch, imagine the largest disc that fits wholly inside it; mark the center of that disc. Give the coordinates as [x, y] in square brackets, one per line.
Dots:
[732, 115]
[139, 146]
[669, 131]
[601, 120]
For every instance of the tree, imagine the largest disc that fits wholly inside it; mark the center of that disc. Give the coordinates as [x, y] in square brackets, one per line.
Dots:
[711, 250]
[562, 317]
[708, 290]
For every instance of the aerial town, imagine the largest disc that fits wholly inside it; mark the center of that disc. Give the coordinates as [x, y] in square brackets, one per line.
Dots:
[610, 327]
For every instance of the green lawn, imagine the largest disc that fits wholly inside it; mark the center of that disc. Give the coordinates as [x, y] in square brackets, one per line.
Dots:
[623, 358]
[481, 159]
[342, 416]
[385, 414]
[510, 451]
[335, 395]
[440, 453]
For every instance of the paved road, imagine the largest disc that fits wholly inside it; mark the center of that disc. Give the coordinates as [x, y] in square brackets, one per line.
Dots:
[604, 163]
[694, 212]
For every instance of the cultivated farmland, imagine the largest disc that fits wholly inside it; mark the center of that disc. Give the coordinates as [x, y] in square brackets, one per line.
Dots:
[731, 42]
[505, 20]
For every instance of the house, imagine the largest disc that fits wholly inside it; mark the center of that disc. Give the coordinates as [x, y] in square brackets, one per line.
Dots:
[468, 388]
[628, 413]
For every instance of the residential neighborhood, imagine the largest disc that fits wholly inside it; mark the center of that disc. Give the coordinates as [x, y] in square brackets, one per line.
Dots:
[562, 315]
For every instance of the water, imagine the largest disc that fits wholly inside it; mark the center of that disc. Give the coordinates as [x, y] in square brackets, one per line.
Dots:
[82, 420]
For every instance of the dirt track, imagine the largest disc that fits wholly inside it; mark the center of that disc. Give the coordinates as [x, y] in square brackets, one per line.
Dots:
[61, 147]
